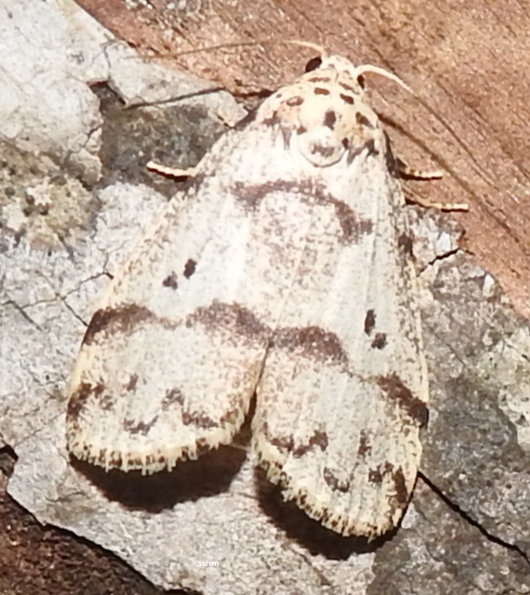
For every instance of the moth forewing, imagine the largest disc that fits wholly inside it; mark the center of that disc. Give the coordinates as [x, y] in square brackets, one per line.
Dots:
[284, 273]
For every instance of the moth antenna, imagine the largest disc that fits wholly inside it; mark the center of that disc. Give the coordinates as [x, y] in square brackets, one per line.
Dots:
[367, 68]
[308, 44]
[220, 46]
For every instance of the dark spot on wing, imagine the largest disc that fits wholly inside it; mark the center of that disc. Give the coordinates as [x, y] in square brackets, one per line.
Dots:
[348, 87]
[330, 119]
[198, 419]
[319, 79]
[369, 322]
[294, 101]
[272, 120]
[375, 475]
[347, 98]
[313, 343]
[138, 427]
[121, 319]
[362, 120]
[364, 445]
[80, 397]
[170, 281]
[282, 443]
[251, 195]
[172, 397]
[133, 381]
[380, 341]
[220, 317]
[336, 484]
[320, 91]
[368, 146]
[400, 394]
[231, 416]
[189, 268]
[402, 494]
[352, 226]
[106, 402]
[318, 439]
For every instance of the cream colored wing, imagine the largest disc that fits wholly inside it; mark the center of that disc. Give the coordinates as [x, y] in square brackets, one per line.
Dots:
[287, 269]
[343, 394]
[172, 356]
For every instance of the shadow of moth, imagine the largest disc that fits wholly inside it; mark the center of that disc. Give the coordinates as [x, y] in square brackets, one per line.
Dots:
[287, 274]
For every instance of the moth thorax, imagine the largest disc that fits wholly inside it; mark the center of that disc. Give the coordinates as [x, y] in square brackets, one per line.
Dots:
[320, 146]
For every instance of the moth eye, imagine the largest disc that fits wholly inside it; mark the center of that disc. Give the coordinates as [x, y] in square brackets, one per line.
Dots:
[360, 80]
[313, 64]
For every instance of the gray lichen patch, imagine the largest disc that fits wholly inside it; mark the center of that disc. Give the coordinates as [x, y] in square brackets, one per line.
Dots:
[476, 449]
[174, 135]
[41, 202]
[440, 554]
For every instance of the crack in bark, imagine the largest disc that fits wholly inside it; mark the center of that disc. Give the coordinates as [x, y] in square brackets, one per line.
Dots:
[8, 459]
[473, 522]
[443, 256]
[22, 312]
[57, 297]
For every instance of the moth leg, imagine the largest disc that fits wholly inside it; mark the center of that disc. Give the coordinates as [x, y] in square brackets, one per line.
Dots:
[405, 171]
[431, 204]
[172, 172]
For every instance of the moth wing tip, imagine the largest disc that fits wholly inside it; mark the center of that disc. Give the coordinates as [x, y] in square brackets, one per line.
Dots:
[272, 460]
[147, 460]
[338, 521]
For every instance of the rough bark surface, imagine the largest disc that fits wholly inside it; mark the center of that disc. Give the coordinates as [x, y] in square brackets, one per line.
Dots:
[79, 118]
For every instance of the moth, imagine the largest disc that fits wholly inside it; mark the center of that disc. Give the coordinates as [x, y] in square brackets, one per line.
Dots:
[286, 273]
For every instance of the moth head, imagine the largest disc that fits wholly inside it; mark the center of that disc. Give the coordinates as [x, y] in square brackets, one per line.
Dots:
[344, 70]
[332, 115]
[326, 113]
